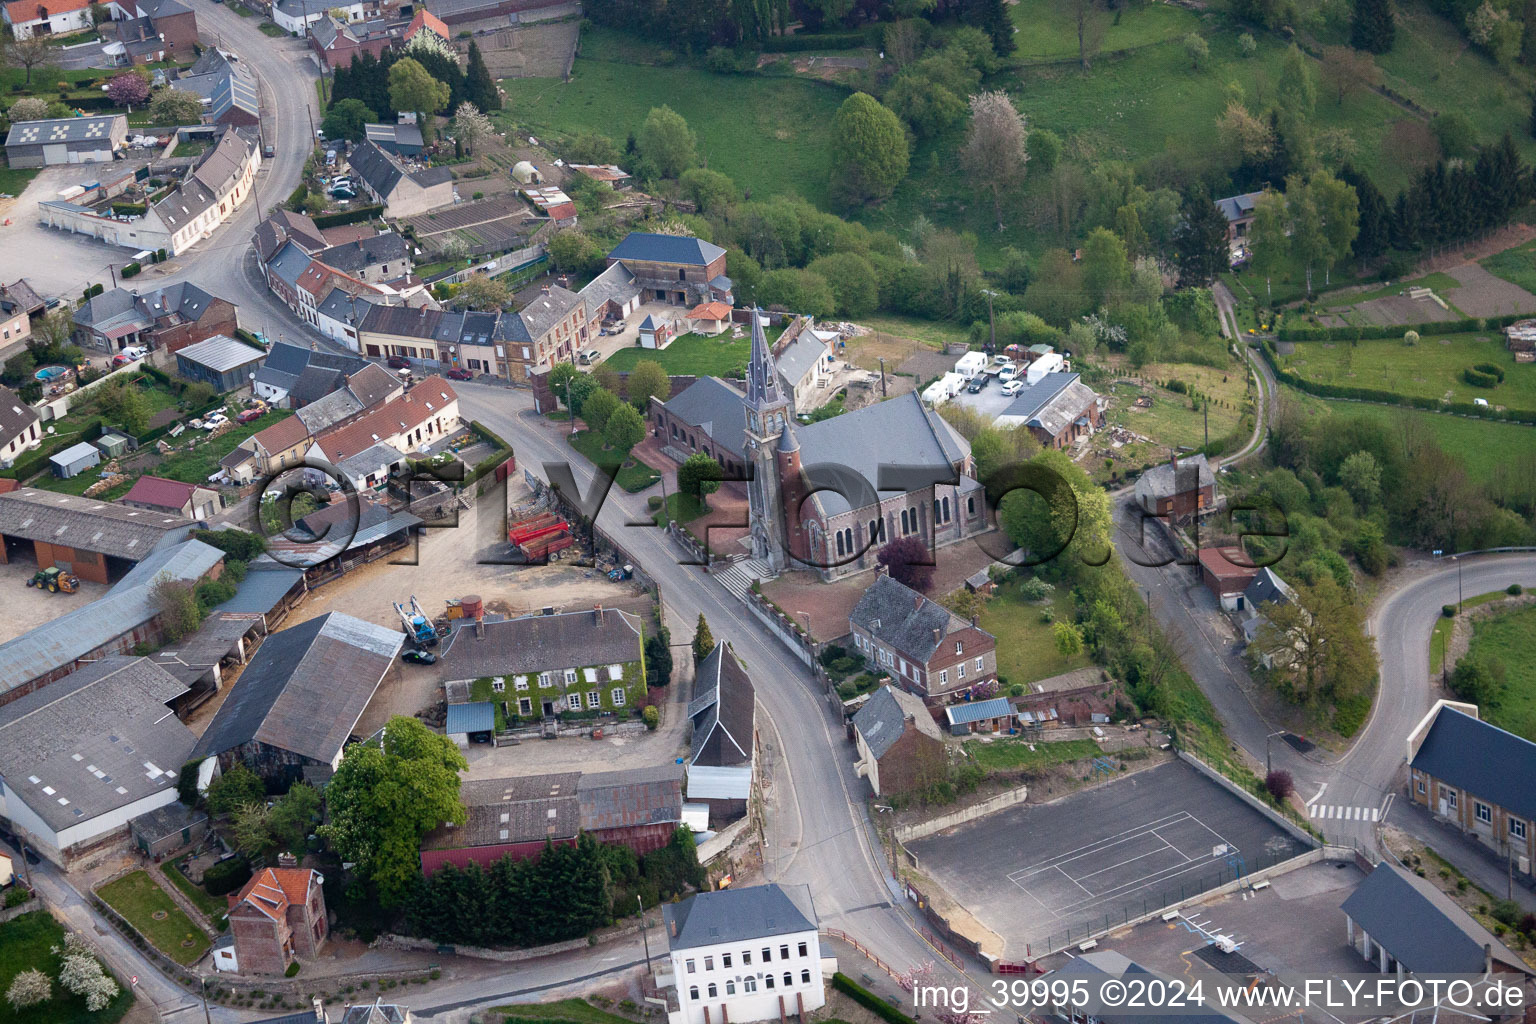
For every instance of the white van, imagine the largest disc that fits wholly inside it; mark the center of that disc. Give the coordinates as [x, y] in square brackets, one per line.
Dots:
[1481, 402]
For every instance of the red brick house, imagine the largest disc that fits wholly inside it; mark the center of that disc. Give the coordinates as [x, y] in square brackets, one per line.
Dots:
[169, 318]
[924, 647]
[279, 916]
[1226, 572]
[900, 747]
[1176, 490]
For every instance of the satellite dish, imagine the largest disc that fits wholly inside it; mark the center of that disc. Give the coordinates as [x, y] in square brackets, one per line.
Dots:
[50, 430]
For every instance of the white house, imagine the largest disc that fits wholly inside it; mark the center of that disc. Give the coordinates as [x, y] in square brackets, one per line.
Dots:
[971, 364]
[745, 954]
[47, 17]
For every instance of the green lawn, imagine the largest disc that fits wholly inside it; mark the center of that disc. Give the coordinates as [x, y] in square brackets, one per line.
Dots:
[14, 180]
[1510, 637]
[1012, 754]
[768, 134]
[1430, 369]
[267, 28]
[1171, 421]
[1442, 284]
[565, 1011]
[720, 356]
[1045, 33]
[1441, 634]
[1026, 650]
[214, 908]
[1479, 445]
[1517, 265]
[27, 942]
[151, 910]
[684, 508]
[633, 475]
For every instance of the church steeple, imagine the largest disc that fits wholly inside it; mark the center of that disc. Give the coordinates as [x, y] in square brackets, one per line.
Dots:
[762, 374]
[767, 413]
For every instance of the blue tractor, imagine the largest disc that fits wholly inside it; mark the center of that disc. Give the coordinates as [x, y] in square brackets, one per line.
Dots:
[417, 626]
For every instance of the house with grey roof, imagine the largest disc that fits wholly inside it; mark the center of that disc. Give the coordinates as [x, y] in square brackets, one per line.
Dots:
[722, 750]
[1239, 211]
[1264, 590]
[65, 140]
[900, 747]
[399, 139]
[1178, 488]
[297, 703]
[676, 269]
[1477, 777]
[924, 647]
[168, 318]
[82, 757]
[707, 416]
[1404, 924]
[19, 428]
[381, 257]
[278, 379]
[228, 90]
[577, 665]
[806, 364]
[744, 954]
[402, 191]
[1058, 409]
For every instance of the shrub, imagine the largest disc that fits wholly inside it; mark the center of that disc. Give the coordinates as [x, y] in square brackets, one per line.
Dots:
[226, 876]
[131, 269]
[1279, 784]
[651, 716]
[1448, 610]
[16, 897]
[1478, 378]
[1507, 912]
[867, 999]
[1515, 590]
[293, 969]
[1491, 370]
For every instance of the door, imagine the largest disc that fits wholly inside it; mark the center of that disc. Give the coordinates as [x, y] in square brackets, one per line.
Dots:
[549, 708]
[56, 154]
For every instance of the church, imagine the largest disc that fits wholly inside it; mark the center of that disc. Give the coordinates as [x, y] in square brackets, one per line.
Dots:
[816, 499]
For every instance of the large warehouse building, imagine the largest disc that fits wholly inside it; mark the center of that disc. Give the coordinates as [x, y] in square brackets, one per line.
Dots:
[65, 140]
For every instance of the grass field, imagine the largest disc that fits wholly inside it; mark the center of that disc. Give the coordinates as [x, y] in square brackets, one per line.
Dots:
[681, 508]
[633, 475]
[690, 353]
[1510, 637]
[1013, 755]
[215, 909]
[1517, 265]
[1430, 369]
[1441, 634]
[151, 910]
[1026, 649]
[768, 134]
[1479, 445]
[565, 1011]
[1171, 422]
[27, 942]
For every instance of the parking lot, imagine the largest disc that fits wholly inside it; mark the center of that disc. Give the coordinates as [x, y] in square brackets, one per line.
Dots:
[1037, 874]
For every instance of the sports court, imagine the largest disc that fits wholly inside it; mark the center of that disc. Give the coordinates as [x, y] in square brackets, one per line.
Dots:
[1036, 874]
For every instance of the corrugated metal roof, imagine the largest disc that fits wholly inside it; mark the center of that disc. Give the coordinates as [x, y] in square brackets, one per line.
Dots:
[707, 783]
[221, 353]
[479, 716]
[264, 586]
[978, 711]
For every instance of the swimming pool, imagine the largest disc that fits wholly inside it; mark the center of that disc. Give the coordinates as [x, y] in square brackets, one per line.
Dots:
[48, 373]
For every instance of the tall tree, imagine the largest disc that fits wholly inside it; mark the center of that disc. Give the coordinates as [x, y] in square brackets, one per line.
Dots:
[869, 151]
[648, 380]
[666, 142]
[1347, 71]
[908, 561]
[1339, 208]
[1106, 267]
[1318, 642]
[703, 640]
[346, 119]
[412, 88]
[29, 53]
[470, 126]
[1200, 239]
[1305, 221]
[1296, 89]
[1267, 239]
[995, 150]
[385, 796]
[700, 476]
[1375, 214]
[479, 87]
[1373, 27]
[1088, 20]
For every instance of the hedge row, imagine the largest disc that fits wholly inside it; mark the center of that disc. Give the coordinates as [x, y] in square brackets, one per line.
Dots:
[130, 270]
[487, 465]
[489, 434]
[331, 220]
[867, 999]
[1478, 379]
[1323, 390]
[799, 41]
[1373, 331]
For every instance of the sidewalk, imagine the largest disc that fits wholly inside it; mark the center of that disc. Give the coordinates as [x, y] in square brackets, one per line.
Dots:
[1480, 864]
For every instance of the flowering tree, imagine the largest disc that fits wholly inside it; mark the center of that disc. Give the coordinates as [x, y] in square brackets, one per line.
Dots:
[83, 974]
[128, 90]
[28, 988]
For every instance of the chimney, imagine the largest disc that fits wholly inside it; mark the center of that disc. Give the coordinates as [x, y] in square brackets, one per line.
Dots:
[287, 860]
[917, 602]
[938, 634]
[545, 290]
[672, 927]
[479, 628]
[319, 1006]
[597, 614]
[975, 621]
[1173, 457]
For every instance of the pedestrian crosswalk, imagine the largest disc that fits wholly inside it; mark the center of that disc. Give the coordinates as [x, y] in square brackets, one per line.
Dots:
[1321, 811]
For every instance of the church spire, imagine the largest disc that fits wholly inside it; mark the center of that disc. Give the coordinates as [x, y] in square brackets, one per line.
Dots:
[762, 374]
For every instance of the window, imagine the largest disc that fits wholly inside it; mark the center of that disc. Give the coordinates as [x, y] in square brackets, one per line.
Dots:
[746, 959]
[768, 981]
[615, 673]
[789, 980]
[959, 647]
[524, 706]
[1516, 828]
[1421, 787]
[970, 506]
[693, 991]
[713, 991]
[1483, 811]
[1450, 798]
[978, 665]
[545, 680]
[570, 677]
[521, 682]
[725, 960]
[749, 985]
[784, 954]
[943, 676]
[840, 550]
[594, 699]
[803, 951]
[498, 685]
[692, 966]
[961, 673]
[730, 988]
[767, 955]
[709, 965]
[618, 696]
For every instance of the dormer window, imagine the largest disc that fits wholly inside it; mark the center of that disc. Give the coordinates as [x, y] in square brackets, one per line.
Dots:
[959, 647]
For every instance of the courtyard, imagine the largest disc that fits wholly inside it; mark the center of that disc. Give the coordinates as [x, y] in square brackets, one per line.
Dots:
[1045, 875]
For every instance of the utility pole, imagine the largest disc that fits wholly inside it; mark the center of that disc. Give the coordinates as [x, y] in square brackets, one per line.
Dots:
[644, 934]
[1207, 408]
[882, 376]
[113, 271]
[207, 1018]
[570, 408]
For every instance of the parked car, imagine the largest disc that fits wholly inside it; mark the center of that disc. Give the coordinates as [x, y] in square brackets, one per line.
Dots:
[250, 416]
[1013, 387]
[398, 363]
[978, 383]
[591, 356]
[1480, 402]
[459, 373]
[419, 657]
[215, 421]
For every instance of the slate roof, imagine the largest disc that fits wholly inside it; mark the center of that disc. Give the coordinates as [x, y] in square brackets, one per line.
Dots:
[264, 586]
[901, 431]
[306, 688]
[15, 416]
[735, 915]
[883, 719]
[1265, 587]
[61, 129]
[211, 179]
[723, 711]
[284, 225]
[402, 321]
[370, 460]
[431, 176]
[1421, 927]
[354, 257]
[223, 82]
[1162, 479]
[630, 799]
[376, 167]
[194, 657]
[372, 384]
[315, 383]
[286, 357]
[615, 284]
[545, 311]
[399, 134]
[641, 245]
[289, 265]
[95, 741]
[121, 307]
[1099, 963]
[345, 307]
[87, 524]
[400, 416]
[516, 810]
[904, 620]
[716, 408]
[1482, 760]
[221, 353]
[538, 643]
[978, 711]
[800, 356]
[1051, 403]
[1236, 207]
